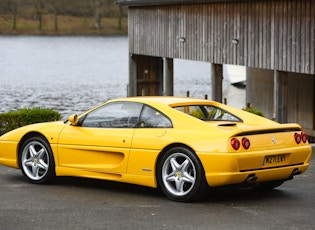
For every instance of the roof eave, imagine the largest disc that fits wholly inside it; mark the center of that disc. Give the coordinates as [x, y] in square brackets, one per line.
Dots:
[165, 2]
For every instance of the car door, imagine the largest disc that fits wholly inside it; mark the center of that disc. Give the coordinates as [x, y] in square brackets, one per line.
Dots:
[101, 142]
[148, 141]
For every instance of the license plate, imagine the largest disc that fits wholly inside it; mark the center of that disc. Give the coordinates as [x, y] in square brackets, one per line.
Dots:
[275, 159]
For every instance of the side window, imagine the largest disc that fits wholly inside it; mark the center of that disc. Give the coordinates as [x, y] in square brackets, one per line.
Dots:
[114, 115]
[151, 118]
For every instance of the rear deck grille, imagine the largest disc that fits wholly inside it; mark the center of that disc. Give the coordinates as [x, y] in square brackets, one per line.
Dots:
[268, 131]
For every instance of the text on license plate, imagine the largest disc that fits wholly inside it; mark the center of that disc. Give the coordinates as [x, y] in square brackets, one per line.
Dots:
[275, 159]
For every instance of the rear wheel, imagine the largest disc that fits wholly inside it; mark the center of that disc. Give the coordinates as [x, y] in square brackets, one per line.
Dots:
[36, 160]
[180, 175]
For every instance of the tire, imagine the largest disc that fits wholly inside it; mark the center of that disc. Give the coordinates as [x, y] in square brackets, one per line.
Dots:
[37, 161]
[180, 175]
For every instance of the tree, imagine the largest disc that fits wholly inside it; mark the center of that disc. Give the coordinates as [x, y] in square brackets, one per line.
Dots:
[55, 7]
[9, 10]
[99, 7]
[40, 13]
[120, 16]
[50, 12]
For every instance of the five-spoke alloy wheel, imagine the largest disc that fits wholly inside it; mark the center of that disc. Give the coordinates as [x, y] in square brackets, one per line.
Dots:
[36, 160]
[181, 176]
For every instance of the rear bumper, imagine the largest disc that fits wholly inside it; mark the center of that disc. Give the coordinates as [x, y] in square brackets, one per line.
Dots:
[237, 168]
[286, 173]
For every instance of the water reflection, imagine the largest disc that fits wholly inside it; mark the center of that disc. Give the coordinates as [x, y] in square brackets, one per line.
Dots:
[73, 73]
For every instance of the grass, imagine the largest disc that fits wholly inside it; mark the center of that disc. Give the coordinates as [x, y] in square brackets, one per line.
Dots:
[67, 25]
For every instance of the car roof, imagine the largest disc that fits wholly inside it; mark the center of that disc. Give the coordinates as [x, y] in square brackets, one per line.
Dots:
[160, 102]
[167, 100]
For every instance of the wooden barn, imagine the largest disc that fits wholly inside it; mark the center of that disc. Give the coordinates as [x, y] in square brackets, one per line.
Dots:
[273, 39]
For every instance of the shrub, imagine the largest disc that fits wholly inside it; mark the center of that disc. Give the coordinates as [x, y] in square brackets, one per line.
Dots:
[251, 109]
[22, 117]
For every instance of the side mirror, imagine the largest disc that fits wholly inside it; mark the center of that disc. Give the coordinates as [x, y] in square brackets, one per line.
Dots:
[73, 119]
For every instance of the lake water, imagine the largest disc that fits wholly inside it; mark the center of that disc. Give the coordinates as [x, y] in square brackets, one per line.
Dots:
[74, 73]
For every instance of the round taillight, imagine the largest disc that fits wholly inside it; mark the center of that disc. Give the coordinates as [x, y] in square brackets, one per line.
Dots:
[297, 138]
[304, 137]
[245, 143]
[235, 143]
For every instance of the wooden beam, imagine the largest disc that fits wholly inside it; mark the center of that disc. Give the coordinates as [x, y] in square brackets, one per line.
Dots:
[281, 96]
[132, 86]
[168, 77]
[216, 82]
[313, 102]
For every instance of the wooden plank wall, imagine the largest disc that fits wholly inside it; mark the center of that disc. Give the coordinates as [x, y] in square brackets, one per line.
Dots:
[149, 75]
[275, 34]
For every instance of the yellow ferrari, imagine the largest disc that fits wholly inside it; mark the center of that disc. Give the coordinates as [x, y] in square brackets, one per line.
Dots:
[181, 145]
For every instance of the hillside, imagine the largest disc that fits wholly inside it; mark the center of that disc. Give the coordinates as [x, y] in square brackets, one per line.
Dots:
[62, 17]
[67, 25]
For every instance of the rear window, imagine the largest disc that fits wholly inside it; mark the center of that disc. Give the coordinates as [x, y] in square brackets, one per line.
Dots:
[207, 113]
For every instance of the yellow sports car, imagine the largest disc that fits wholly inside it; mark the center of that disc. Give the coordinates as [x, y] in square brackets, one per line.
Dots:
[182, 145]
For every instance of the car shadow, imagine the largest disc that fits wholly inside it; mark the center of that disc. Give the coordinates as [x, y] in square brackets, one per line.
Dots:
[220, 195]
[234, 194]
[215, 195]
[108, 186]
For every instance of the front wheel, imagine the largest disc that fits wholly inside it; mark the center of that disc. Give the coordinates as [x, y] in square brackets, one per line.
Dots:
[36, 160]
[180, 175]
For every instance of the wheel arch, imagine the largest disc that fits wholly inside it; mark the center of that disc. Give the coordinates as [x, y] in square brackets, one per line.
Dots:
[170, 146]
[25, 138]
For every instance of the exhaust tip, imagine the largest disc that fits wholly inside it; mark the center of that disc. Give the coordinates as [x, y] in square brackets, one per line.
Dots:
[295, 172]
[251, 178]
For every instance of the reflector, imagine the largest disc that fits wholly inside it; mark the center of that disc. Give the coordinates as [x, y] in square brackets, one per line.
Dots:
[297, 138]
[304, 137]
[245, 143]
